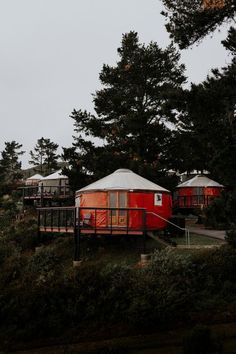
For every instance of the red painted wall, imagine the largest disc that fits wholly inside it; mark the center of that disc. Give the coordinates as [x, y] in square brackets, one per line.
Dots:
[135, 199]
[146, 200]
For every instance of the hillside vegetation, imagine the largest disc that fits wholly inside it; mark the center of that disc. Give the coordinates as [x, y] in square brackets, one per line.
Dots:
[43, 297]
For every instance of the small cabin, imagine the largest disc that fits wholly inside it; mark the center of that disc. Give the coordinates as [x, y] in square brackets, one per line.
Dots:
[124, 199]
[197, 192]
[33, 180]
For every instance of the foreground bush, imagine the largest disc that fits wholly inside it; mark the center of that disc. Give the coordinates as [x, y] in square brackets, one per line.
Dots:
[231, 235]
[41, 297]
[201, 340]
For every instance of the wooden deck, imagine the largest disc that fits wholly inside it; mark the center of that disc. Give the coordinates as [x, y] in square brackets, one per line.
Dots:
[70, 220]
[91, 231]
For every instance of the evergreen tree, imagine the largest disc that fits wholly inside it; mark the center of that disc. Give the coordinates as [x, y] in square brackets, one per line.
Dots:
[132, 111]
[44, 156]
[190, 21]
[207, 126]
[230, 42]
[10, 166]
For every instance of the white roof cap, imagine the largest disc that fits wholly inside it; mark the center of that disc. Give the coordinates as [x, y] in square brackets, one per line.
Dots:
[55, 175]
[36, 176]
[200, 181]
[123, 179]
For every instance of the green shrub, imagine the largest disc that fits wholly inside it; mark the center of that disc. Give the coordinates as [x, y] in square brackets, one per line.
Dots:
[44, 267]
[215, 214]
[118, 289]
[164, 291]
[219, 264]
[13, 269]
[6, 249]
[23, 232]
[231, 235]
[201, 340]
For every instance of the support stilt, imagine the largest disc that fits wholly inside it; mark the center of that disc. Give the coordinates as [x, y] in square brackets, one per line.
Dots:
[77, 235]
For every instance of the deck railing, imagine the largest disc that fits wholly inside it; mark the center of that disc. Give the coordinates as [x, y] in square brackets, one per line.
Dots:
[36, 192]
[193, 201]
[87, 220]
[92, 220]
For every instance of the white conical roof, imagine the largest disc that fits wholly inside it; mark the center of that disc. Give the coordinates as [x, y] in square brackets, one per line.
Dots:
[123, 179]
[200, 181]
[55, 175]
[36, 176]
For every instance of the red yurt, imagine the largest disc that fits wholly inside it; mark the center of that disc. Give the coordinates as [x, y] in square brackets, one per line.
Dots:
[125, 200]
[197, 192]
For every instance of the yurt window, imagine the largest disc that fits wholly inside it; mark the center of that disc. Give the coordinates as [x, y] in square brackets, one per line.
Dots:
[198, 197]
[198, 191]
[158, 199]
[118, 200]
[122, 202]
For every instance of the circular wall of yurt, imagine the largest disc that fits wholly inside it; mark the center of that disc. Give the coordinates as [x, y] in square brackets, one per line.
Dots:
[124, 199]
[197, 192]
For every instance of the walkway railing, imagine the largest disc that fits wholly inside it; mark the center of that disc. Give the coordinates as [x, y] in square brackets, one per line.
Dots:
[186, 231]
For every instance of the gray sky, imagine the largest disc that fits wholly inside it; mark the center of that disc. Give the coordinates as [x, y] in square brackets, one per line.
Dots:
[52, 52]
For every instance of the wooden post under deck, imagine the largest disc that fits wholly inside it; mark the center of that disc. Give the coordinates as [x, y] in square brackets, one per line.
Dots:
[144, 230]
[39, 233]
[77, 234]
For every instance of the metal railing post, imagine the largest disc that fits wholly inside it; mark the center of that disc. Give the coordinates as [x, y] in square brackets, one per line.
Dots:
[144, 230]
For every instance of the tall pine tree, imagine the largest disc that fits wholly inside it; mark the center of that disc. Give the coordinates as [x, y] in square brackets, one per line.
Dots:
[44, 156]
[10, 166]
[206, 131]
[132, 112]
[190, 21]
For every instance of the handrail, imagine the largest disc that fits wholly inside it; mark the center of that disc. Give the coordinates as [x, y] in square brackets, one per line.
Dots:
[89, 208]
[60, 215]
[57, 208]
[45, 191]
[187, 233]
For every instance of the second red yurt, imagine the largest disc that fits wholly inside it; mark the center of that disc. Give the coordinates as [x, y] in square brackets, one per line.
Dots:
[124, 199]
[197, 192]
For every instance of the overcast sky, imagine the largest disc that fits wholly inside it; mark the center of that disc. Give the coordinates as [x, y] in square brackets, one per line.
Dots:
[52, 52]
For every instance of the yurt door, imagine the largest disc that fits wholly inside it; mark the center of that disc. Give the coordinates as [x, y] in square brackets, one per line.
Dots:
[118, 200]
